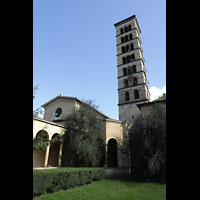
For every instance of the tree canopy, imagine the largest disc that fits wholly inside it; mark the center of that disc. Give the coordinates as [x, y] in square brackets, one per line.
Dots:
[162, 97]
[148, 145]
[83, 144]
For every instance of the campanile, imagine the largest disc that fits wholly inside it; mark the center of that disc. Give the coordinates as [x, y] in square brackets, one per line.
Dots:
[133, 86]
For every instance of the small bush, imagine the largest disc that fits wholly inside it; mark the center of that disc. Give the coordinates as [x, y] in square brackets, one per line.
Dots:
[53, 180]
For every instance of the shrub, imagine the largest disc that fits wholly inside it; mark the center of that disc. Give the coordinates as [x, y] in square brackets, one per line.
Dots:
[53, 180]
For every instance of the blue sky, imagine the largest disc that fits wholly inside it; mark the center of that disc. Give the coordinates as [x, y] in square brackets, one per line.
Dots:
[74, 48]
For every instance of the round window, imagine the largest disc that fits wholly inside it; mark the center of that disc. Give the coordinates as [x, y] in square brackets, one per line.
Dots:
[58, 112]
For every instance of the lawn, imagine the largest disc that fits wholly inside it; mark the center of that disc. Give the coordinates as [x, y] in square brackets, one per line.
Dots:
[111, 190]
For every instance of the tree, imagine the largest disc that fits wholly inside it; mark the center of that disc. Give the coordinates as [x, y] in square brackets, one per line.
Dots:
[38, 110]
[148, 145]
[82, 143]
[162, 97]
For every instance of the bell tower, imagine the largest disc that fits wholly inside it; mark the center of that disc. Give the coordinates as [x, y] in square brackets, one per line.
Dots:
[132, 75]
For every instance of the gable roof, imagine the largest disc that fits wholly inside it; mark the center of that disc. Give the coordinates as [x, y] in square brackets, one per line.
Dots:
[71, 98]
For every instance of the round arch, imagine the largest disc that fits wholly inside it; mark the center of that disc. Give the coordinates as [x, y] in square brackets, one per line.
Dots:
[42, 134]
[54, 151]
[112, 155]
[39, 152]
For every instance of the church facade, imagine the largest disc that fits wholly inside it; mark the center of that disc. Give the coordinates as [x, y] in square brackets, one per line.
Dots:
[133, 98]
[53, 125]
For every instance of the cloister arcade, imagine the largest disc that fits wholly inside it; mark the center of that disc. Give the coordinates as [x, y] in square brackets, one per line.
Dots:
[50, 155]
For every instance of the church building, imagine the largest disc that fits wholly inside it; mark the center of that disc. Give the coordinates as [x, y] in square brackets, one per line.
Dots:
[133, 98]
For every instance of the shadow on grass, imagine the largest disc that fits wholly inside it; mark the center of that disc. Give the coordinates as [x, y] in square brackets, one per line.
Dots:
[129, 179]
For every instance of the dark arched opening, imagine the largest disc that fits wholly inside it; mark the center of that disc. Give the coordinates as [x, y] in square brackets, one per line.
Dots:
[136, 93]
[125, 83]
[127, 96]
[112, 153]
[54, 151]
[125, 72]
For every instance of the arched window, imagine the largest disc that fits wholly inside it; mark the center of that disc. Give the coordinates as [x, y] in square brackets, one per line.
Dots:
[130, 37]
[128, 59]
[125, 83]
[122, 39]
[127, 48]
[124, 60]
[127, 96]
[126, 29]
[125, 72]
[121, 30]
[129, 70]
[133, 69]
[132, 47]
[123, 49]
[135, 81]
[129, 27]
[133, 57]
[136, 94]
[126, 38]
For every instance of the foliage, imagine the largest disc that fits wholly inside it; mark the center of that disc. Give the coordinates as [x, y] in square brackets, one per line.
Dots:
[162, 97]
[34, 90]
[112, 190]
[53, 180]
[41, 141]
[83, 146]
[38, 110]
[148, 145]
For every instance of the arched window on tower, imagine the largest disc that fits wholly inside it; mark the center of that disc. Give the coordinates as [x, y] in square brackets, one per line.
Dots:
[124, 60]
[132, 47]
[123, 49]
[126, 29]
[135, 81]
[122, 39]
[133, 69]
[127, 96]
[125, 83]
[130, 37]
[136, 94]
[125, 72]
[132, 57]
[129, 71]
[129, 27]
[122, 30]
[128, 59]
[126, 38]
[127, 48]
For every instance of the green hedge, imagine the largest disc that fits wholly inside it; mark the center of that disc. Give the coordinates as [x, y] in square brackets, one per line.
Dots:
[53, 180]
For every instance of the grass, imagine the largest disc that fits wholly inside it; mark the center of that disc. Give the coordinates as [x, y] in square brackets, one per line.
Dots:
[111, 190]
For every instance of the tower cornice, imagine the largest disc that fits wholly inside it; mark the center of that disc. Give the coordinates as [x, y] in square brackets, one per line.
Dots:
[127, 20]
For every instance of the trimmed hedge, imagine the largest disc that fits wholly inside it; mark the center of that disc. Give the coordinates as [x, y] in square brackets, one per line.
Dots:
[53, 180]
